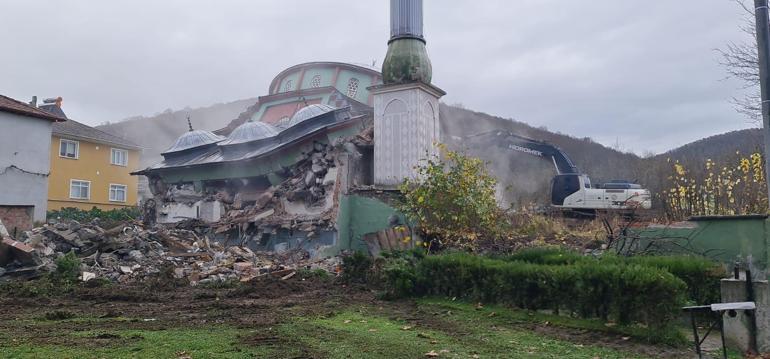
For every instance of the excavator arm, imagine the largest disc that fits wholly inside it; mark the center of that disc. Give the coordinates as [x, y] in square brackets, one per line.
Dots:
[514, 142]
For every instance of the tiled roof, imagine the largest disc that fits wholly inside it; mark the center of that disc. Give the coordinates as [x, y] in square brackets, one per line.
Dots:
[53, 109]
[77, 130]
[8, 104]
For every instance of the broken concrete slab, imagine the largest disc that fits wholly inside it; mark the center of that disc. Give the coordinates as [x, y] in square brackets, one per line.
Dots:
[11, 250]
[86, 276]
[263, 215]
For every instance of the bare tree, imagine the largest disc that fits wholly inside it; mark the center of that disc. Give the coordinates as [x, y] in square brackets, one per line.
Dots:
[741, 61]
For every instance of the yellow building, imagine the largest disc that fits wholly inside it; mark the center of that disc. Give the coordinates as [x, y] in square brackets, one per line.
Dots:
[90, 168]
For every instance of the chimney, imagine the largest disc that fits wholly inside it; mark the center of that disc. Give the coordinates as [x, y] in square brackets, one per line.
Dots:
[59, 101]
[33, 103]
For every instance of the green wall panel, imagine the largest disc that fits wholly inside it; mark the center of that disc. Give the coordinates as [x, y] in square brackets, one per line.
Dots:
[724, 239]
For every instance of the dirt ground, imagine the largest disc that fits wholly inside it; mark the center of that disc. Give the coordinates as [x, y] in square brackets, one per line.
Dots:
[260, 304]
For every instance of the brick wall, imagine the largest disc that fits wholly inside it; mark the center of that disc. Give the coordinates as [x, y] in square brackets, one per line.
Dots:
[17, 218]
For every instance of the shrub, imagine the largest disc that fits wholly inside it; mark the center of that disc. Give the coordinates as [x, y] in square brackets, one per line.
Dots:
[546, 255]
[356, 268]
[67, 269]
[625, 293]
[398, 272]
[701, 275]
[452, 200]
[318, 273]
[109, 218]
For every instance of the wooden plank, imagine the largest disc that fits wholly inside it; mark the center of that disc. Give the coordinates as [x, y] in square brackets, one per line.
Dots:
[396, 238]
[383, 239]
[392, 239]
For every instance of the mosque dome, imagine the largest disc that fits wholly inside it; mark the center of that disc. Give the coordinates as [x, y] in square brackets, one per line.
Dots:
[193, 139]
[250, 131]
[309, 111]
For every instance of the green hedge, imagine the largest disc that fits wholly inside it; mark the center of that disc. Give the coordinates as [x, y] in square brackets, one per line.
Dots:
[624, 293]
[108, 218]
[701, 274]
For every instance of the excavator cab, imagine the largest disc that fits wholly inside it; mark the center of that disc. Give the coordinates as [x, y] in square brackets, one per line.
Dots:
[563, 186]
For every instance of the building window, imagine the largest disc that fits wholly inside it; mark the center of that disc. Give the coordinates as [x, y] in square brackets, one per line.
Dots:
[352, 87]
[80, 189]
[315, 81]
[119, 157]
[288, 86]
[117, 193]
[69, 148]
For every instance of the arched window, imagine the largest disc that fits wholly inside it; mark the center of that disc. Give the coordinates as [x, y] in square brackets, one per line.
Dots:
[288, 86]
[315, 81]
[352, 87]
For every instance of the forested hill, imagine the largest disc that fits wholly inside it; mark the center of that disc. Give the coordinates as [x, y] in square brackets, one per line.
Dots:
[718, 146]
[158, 132]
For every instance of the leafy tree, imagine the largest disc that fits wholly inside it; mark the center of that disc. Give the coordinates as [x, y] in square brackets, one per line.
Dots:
[735, 186]
[453, 200]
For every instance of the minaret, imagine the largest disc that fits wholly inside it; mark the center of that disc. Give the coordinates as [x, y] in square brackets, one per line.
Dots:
[406, 119]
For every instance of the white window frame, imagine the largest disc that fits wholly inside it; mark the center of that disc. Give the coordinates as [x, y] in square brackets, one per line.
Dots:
[353, 85]
[83, 181]
[125, 192]
[77, 148]
[315, 81]
[112, 157]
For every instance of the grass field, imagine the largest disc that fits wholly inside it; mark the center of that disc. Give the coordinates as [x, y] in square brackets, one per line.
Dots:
[297, 320]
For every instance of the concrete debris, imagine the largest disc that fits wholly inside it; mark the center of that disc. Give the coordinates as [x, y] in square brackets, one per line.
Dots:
[302, 202]
[130, 253]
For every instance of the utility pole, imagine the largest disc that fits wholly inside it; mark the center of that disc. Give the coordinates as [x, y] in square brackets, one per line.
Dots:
[763, 50]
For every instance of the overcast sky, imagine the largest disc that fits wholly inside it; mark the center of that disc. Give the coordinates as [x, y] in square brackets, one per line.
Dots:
[643, 73]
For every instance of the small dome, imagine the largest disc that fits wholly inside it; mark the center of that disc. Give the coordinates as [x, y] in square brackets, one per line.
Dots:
[250, 131]
[309, 112]
[192, 139]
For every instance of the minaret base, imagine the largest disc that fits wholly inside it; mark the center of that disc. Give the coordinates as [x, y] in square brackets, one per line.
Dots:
[406, 130]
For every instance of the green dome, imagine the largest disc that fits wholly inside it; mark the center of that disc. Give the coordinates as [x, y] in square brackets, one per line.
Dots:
[406, 61]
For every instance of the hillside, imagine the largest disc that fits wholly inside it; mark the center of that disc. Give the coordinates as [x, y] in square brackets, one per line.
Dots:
[525, 178]
[717, 146]
[158, 132]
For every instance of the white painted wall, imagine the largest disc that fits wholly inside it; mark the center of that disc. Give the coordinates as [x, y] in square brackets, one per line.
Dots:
[25, 142]
[173, 212]
[406, 126]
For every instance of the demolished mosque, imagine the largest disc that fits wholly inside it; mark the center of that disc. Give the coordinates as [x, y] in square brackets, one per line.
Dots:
[315, 163]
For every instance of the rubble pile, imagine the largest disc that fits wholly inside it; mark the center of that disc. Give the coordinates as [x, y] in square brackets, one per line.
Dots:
[301, 203]
[130, 253]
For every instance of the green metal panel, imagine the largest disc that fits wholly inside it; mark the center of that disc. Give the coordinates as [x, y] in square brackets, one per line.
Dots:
[275, 179]
[724, 239]
[361, 215]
